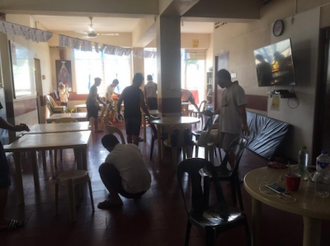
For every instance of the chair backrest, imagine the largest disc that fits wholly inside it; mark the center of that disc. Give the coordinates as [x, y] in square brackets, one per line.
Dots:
[49, 103]
[211, 130]
[191, 167]
[202, 106]
[177, 135]
[114, 130]
[237, 148]
[66, 120]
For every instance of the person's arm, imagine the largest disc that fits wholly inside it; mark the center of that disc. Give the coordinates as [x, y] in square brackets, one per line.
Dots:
[120, 100]
[245, 127]
[217, 111]
[145, 93]
[6, 125]
[143, 105]
[191, 99]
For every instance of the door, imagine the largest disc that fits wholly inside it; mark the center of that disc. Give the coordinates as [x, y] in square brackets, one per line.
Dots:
[321, 134]
[40, 101]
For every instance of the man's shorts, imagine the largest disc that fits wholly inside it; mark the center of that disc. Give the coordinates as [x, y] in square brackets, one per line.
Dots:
[133, 126]
[111, 174]
[226, 139]
[4, 169]
[92, 111]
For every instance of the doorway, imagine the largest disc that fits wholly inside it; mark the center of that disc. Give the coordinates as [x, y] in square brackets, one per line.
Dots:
[321, 133]
[40, 101]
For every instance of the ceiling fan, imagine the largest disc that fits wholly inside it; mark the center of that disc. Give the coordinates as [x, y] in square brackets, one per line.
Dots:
[92, 34]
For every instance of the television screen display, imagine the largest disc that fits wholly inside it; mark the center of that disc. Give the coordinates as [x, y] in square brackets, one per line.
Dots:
[274, 64]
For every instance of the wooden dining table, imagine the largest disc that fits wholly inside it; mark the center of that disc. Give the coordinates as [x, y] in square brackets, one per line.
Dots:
[168, 121]
[82, 116]
[304, 202]
[48, 141]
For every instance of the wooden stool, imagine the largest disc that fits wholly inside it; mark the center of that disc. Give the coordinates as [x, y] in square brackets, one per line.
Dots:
[71, 179]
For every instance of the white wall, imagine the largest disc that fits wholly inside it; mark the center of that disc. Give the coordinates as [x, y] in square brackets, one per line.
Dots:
[305, 57]
[240, 39]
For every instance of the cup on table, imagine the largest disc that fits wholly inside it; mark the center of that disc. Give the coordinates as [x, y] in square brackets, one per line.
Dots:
[293, 181]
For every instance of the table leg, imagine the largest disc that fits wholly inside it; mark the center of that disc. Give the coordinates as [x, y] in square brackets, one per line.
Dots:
[256, 219]
[35, 169]
[312, 231]
[19, 182]
[78, 155]
[159, 142]
[84, 158]
[43, 156]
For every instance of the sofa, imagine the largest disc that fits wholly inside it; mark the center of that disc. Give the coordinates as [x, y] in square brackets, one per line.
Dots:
[267, 135]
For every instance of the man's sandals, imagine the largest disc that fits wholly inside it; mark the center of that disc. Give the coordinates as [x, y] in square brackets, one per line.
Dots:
[12, 225]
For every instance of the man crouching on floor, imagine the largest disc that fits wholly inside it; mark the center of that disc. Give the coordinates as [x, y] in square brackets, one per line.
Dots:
[123, 172]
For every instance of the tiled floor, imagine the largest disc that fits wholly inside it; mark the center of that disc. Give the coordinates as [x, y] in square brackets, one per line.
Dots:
[157, 219]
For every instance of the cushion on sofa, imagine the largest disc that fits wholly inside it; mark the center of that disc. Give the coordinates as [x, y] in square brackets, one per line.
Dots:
[266, 135]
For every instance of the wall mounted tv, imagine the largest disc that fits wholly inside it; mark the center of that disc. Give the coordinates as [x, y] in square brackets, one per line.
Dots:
[274, 64]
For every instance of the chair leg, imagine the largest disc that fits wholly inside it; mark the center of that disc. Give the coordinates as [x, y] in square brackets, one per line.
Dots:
[188, 229]
[210, 237]
[72, 198]
[152, 147]
[206, 190]
[211, 148]
[239, 193]
[196, 151]
[174, 158]
[247, 233]
[56, 199]
[61, 154]
[233, 190]
[55, 158]
[91, 194]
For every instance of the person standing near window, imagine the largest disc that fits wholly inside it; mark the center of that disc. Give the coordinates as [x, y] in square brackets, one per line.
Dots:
[112, 103]
[93, 101]
[150, 93]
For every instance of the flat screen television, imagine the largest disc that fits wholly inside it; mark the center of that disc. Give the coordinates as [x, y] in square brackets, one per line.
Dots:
[274, 64]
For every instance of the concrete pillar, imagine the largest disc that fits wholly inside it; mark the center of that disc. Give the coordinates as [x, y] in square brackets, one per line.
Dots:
[169, 65]
[138, 66]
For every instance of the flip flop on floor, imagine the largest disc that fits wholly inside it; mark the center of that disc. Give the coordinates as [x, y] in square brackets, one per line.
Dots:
[107, 205]
[12, 225]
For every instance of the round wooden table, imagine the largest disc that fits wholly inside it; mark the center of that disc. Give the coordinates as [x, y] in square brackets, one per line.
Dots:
[168, 121]
[303, 202]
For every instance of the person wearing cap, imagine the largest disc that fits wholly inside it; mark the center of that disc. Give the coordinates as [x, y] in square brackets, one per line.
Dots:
[93, 101]
[150, 93]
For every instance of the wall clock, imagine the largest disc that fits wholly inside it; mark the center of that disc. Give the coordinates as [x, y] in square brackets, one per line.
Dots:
[278, 28]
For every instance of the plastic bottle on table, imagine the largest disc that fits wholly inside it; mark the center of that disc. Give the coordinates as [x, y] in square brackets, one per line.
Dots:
[322, 175]
[303, 162]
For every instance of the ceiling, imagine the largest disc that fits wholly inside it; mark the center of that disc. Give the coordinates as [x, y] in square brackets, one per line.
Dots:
[109, 24]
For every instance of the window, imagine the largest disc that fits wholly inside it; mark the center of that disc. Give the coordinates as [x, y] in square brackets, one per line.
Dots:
[150, 66]
[89, 65]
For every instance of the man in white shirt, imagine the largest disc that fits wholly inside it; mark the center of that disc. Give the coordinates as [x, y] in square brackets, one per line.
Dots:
[232, 109]
[150, 93]
[123, 172]
[112, 104]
